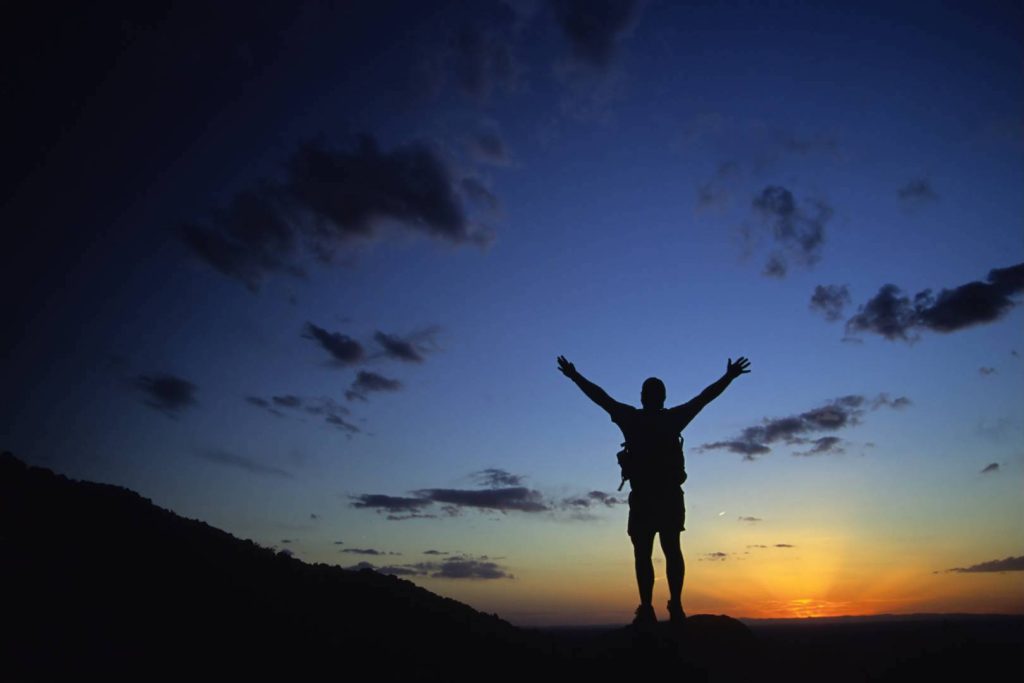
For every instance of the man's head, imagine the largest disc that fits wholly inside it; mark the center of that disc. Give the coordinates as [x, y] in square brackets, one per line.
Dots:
[652, 395]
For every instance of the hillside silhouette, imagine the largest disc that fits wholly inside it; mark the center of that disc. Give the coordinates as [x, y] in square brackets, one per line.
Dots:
[100, 582]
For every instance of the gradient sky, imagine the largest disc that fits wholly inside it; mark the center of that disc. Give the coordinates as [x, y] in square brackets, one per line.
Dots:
[302, 271]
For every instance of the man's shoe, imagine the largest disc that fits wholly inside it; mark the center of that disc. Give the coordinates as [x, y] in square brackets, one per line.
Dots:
[644, 616]
[675, 613]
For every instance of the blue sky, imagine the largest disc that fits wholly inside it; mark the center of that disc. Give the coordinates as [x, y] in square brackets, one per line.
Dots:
[646, 188]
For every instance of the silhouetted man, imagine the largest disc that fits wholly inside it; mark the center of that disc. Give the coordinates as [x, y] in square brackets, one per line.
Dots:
[656, 474]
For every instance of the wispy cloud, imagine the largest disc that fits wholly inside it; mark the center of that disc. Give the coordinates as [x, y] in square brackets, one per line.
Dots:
[167, 393]
[241, 462]
[1008, 564]
[794, 430]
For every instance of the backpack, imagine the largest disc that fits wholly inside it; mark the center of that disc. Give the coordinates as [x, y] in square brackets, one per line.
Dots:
[630, 464]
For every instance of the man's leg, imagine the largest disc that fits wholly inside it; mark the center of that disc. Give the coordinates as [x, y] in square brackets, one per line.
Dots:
[643, 546]
[674, 566]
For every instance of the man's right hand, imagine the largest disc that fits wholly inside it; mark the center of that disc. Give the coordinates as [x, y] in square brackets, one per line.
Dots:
[567, 368]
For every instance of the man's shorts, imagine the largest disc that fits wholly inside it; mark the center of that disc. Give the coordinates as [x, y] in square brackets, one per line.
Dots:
[656, 511]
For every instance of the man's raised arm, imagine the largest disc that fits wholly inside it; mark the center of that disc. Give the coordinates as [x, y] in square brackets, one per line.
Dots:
[713, 391]
[593, 392]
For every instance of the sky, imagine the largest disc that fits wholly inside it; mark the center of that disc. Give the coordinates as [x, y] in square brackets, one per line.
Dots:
[302, 271]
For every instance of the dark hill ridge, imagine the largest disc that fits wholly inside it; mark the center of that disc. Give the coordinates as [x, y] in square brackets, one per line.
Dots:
[101, 581]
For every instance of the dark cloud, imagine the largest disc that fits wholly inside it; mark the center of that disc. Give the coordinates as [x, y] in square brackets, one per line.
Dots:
[987, 371]
[398, 348]
[716, 556]
[991, 467]
[594, 27]
[798, 231]
[592, 499]
[466, 568]
[287, 401]
[895, 316]
[349, 192]
[917, 190]
[494, 477]
[333, 412]
[757, 545]
[343, 349]
[482, 57]
[478, 192]
[247, 238]
[286, 540]
[839, 413]
[383, 503]
[784, 545]
[313, 515]
[241, 462]
[830, 301]
[367, 551]
[435, 552]
[490, 147]
[1008, 564]
[750, 519]
[327, 199]
[367, 382]
[167, 393]
[339, 543]
[517, 498]
[411, 515]
[823, 445]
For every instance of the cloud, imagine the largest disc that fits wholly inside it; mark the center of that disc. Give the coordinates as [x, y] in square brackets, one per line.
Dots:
[167, 393]
[494, 477]
[991, 467]
[987, 371]
[286, 540]
[249, 237]
[797, 231]
[287, 401]
[333, 412]
[383, 503]
[750, 519]
[478, 192]
[1008, 564]
[468, 568]
[482, 56]
[328, 199]
[489, 147]
[594, 27]
[716, 556]
[435, 552]
[839, 413]
[398, 348]
[757, 545]
[830, 301]
[825, 444]
[895, 316]
[505, 499]
[367, 382]
[241, 462]
[456, 567]
[339, 543]
[784, 545]
[349, 192]
[344, 349]
[367, 551]
[592, 499]
[917, 190]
